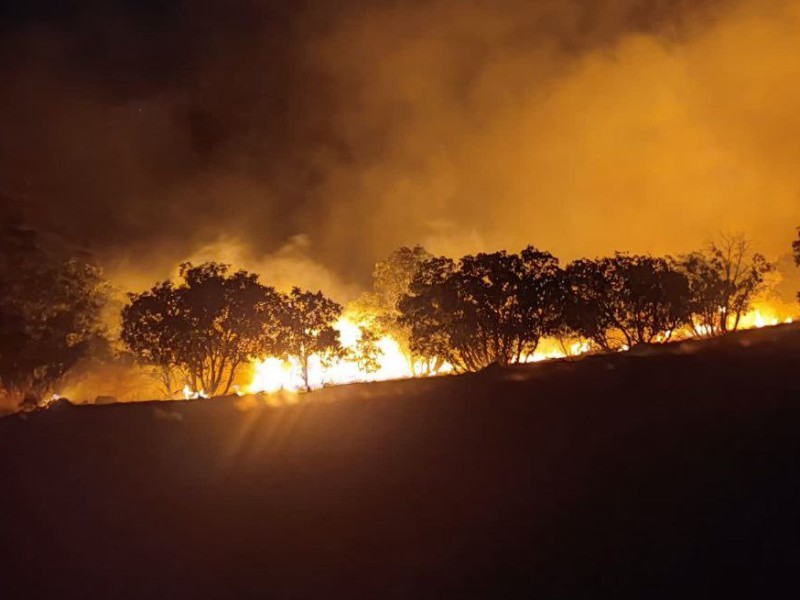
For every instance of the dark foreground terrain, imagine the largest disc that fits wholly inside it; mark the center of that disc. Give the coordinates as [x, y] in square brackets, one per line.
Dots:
[655, 474]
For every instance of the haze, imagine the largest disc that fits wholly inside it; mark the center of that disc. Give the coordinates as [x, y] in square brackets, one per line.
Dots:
[309, 142]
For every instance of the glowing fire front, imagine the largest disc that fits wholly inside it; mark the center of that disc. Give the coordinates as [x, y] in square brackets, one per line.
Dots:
[190, 394]
[272, 375]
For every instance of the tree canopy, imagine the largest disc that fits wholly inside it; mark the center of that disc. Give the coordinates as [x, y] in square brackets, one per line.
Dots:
[50, 311]
[378, 308]
[723, 281]
[625, 300]
[308, 319]
[207, 327]
[484, 309]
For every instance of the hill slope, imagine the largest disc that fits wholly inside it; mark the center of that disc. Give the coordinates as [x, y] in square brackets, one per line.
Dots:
[670, 472]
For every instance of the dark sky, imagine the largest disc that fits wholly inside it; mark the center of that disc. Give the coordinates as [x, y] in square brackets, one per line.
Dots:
[111, 107]
[336, 130]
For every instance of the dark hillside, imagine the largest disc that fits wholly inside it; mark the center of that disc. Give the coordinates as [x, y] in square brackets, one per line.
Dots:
[670, 472]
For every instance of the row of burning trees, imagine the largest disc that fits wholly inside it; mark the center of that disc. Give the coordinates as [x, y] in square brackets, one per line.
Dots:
[497, 307]
[206, 329]
[489, 308]
[202, 331]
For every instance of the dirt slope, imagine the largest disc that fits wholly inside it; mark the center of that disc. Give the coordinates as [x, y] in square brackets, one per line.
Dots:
[661, 473]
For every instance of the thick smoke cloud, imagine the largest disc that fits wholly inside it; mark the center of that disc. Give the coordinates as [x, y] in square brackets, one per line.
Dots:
[312, 141]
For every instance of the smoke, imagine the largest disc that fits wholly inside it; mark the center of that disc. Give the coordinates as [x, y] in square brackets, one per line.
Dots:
[306, 143]
[289, 266]
[645, 141]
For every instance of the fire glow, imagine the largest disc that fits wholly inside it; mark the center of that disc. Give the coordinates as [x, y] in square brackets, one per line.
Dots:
[272, 375]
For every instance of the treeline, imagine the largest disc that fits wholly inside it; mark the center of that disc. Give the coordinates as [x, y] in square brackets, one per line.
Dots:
[488, 308]
[495, 308]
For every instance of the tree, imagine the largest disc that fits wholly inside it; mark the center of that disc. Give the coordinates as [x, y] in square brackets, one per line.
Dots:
[626, 300]
[487, 308]
[424, 310]
[391, 279]
[207, 327]
[50, 311]
[723, 281]
[152, 331]
[545, 293]
[796, 253]
[366, 353]
[308, 320]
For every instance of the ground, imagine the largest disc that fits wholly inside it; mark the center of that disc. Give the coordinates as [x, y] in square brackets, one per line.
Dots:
[661, 473]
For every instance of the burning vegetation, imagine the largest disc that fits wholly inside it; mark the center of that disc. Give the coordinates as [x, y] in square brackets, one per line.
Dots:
[571, 124]
[216, 331]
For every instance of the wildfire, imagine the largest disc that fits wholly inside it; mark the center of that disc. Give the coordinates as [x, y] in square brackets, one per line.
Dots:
[758, 319]
[273, 375]
[189, 394]
[551, 349]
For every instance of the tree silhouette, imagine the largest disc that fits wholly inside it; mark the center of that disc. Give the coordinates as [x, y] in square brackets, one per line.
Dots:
[723, 280]
[307, 330]
[50, 309]
[378, 308]
[152, 333]
[207, 327]
[426, 310]
[626, 300]
[487, 308]
[366, 353]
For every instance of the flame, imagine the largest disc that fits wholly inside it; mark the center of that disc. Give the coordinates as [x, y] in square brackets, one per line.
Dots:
[349, 332]
[765, 314]
[758, 319]
[190, 394]
[273, 375]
